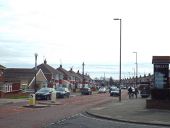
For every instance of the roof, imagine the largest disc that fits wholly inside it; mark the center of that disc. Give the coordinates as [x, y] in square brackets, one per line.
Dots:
[2, 67]
[160, 59]
[16, 74]
[75, 74]
[47, 69]
[86, 77]
[65, 72]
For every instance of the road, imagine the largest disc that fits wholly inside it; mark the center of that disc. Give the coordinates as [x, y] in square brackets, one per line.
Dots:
[85, 121]
[17, 116]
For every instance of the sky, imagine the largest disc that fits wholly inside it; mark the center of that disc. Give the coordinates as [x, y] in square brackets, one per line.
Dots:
[70, 32]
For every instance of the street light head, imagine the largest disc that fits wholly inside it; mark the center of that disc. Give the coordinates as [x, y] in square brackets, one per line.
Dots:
[116, 19]
[36, 54]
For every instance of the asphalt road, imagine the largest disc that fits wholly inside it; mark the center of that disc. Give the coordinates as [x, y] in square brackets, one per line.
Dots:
[85, 121]
[16, 116]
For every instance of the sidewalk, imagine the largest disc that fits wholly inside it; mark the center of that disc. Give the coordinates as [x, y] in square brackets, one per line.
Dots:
[4, 101]
[133, 110]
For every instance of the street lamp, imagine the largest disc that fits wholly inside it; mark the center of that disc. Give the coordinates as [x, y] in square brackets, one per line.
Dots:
[83, 74]
[136, 69]
[35, 87]
[120, 57]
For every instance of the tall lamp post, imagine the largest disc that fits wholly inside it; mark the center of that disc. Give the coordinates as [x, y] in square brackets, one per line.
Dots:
[83, 74]
[136, 69]
[35, 87]
[120, 57]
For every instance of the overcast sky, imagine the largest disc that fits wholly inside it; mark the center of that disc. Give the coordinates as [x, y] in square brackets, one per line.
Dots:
[77, 31]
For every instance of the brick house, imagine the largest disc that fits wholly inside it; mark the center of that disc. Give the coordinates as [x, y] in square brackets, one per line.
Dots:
[2, 68]
[87, 79]
[66, 78]
[76, 79]
[53, 76]
[16, 79]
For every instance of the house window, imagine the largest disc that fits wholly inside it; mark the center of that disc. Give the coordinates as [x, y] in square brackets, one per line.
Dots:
[8, 87]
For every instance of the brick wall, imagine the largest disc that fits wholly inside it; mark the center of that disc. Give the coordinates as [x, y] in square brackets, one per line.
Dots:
[158, 104]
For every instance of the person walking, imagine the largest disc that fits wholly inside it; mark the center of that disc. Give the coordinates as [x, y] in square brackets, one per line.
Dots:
[130, 92]
[136, 92]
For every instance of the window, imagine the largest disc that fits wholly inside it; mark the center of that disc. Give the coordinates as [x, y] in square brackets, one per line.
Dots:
[8, 87]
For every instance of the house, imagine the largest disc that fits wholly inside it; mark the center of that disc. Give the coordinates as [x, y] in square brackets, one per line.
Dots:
[53, 76]
[16, 79]
[76, 79]
[2, 68]
[67, 77]
[85, 79]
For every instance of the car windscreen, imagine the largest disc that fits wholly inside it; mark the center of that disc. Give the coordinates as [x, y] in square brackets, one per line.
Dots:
[114, 89]
[60, 89]
[45, 90]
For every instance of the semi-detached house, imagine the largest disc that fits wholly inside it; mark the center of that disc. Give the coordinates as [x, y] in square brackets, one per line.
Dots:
[53, 76]
[16, 79]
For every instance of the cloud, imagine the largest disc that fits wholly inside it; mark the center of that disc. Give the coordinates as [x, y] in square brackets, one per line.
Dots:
[76, 31]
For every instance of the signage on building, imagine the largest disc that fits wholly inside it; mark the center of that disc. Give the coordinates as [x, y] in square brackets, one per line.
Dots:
[161, 75]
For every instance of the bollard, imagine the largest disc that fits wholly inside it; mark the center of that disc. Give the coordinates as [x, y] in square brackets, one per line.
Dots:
[53, 97]
[32, 100]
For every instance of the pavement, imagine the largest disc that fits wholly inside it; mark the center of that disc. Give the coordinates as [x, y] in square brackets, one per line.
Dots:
[132, 111]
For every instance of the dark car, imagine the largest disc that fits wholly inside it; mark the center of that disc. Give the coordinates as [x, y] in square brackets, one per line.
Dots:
[86, 91]
[114, 91]
[44, 93]
[62, 92]
[145, 92]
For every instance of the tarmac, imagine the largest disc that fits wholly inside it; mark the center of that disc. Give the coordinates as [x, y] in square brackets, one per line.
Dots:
[131, 111]
[128, 110]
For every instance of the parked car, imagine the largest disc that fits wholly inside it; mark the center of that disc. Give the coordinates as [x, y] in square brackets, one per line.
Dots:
[114, 91]
[62, 92]
[145, 93]
[86, 90]
[102, 90]
[123, 87]
[44, 93]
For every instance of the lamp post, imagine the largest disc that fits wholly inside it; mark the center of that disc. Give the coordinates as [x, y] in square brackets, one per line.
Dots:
[83, 74]
[136, 69]
[35, 87]
[120, 57]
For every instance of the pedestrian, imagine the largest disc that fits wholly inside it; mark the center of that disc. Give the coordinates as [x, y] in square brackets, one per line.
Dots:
[130, 92]
[136, 92]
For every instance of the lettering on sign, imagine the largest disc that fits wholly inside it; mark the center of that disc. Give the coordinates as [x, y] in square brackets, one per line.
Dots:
[161, 74]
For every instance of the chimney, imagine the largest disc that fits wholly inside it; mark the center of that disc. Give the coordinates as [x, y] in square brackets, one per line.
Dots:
[60, 65]
[45, 61]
